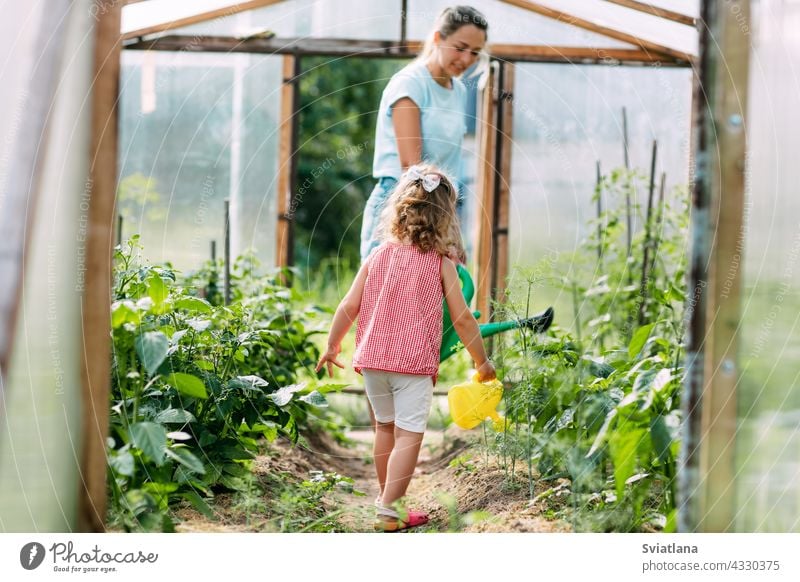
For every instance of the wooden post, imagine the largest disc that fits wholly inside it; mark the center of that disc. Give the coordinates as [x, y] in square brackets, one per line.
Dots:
[286, 164]
[96, 341]
[504, 142]
[706, 493]
[486, 136]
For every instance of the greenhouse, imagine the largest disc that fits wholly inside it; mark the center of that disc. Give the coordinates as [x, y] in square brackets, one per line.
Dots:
[182, 191]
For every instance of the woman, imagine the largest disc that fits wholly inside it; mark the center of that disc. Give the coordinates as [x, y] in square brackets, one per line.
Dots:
[422, 113]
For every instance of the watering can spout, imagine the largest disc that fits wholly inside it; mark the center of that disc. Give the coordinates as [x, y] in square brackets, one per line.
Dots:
[473, 402]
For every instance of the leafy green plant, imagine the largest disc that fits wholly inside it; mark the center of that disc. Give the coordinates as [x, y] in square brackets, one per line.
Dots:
[196, 385]
[600, 404]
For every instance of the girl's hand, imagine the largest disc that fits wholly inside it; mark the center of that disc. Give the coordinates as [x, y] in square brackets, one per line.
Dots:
[329, 357]
[486, 372]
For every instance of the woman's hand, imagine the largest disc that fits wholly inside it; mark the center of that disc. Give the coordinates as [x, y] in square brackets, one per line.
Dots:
[329, 358]
[486, 372]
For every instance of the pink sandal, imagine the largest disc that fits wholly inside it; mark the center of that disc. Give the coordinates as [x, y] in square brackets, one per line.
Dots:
[389, 524]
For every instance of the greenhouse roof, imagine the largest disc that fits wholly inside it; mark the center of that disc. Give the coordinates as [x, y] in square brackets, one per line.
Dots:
[656, 30]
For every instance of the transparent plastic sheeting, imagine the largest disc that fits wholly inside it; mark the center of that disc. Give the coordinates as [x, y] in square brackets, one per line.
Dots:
[195, 130]
[355, 19]
[566, 119]
[768, 439]
[511, 24]
[40, 392]
[380, 20]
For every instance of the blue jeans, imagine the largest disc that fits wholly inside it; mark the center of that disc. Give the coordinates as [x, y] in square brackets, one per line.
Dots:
[372, 215]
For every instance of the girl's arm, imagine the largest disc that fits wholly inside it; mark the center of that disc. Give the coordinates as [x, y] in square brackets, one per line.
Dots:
[346, 314]
[406, 120]
[463, 321]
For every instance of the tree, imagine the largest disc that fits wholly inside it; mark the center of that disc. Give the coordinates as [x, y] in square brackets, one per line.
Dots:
[339, 101]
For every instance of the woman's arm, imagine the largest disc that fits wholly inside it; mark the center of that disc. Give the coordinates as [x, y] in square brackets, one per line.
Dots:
[346, 314]
[464, 323]
[407, 123]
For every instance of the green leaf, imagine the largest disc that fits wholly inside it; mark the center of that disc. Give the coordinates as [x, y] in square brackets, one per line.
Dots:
[199, 324]
[175, 416]
[122, 463]
[662, 440]
[152, 349]
[247, 383]
[326, 388]
[151, 439]
[639, 339]
[199, 504]
[268, 429]
[193, 304]
[623, 445]
[601, 434]
[187, 384]
[284, 395]
[123, 312]
[315, 399]
[186, 458]
[157, 289]
[204, 365]
[676, 294]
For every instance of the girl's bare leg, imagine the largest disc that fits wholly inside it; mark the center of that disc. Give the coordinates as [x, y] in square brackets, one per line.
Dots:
[401, 465]
[382, 449]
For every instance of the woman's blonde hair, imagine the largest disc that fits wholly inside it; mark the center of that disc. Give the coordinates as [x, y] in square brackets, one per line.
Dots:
[428, 220]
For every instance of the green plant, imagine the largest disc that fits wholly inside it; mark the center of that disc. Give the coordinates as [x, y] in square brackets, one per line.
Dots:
[196, 385]
[600, 405]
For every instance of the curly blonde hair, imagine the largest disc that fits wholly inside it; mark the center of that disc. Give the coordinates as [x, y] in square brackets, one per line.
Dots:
[428, 220]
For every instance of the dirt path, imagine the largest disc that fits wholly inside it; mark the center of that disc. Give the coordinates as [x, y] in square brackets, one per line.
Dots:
[454, 482]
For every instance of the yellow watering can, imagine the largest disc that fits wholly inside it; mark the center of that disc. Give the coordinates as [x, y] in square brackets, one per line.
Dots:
[473, 402]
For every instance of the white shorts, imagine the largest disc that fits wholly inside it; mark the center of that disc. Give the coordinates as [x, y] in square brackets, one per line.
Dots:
[404, 399]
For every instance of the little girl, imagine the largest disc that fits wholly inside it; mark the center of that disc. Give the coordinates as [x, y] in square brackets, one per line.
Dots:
[397, 299]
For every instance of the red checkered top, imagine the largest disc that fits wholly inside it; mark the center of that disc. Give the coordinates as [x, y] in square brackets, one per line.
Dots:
[400, 320]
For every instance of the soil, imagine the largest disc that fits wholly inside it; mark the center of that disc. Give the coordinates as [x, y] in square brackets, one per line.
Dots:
[454, 483]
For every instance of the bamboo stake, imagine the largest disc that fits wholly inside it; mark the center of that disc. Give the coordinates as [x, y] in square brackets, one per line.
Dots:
[629, 218]
[227, 256]
[647, 237]
[598, 189]
[659, 221]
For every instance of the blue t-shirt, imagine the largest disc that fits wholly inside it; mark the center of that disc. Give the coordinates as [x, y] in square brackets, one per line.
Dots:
[442, 116]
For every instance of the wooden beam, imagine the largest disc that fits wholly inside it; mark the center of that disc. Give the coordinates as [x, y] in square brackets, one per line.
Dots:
[656, 11]
[568, 54]
[707, 469]
[286, 147]
[503, 181]
[566, 18]
[200, 17]
[96, 311]
[392, 49]
[486, 136]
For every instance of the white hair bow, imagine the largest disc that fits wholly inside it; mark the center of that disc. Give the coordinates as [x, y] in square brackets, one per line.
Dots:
[429, 181]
